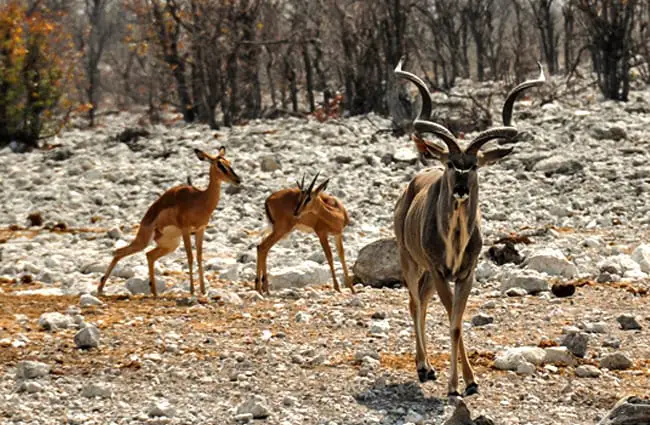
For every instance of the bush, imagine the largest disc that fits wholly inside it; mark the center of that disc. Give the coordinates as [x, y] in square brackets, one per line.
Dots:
[32, 73]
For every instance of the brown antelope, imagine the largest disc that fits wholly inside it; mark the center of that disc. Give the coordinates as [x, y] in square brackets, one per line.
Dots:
[180, 211]
[309, 210]
[437, 227]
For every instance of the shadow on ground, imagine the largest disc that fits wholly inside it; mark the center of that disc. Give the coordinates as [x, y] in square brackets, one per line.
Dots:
[401, 402]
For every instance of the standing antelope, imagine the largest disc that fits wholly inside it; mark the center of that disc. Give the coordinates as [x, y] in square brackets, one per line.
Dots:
[437, 227]
[180, 211]
[309, 210]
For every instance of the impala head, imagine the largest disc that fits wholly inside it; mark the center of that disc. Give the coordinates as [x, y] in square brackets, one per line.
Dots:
[462, 164]
[307, 195]
[219, 165]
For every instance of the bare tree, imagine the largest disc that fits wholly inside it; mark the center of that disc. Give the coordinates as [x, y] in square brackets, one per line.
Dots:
[609, 24]
[544, 18]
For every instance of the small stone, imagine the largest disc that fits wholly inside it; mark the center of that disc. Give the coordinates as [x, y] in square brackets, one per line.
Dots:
[28, 369]
[576, 342]
[161, 408]
[562, 290]
[269, 163]
[482, 319]
[525, 368]
[516, 292]
[615, 361]
[256, 406]
[115, 233]
[612, 342]
[302, 317]
[511, 358]
[596, 328]
[558, 356]
[378, 315]
[531, 281]
[54, 321]
[243, 418]
[587, 371]
[87, 300]
[642, 256]
[379, 327]
[136, 285]
[30, 387]
[628, 322]
[97, 389]
[87, 337]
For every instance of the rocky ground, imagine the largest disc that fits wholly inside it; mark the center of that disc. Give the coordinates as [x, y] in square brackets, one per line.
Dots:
[572, 201]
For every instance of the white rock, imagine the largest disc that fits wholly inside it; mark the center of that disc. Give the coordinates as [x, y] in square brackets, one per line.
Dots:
[88, 300]
[97, 389]
[529, 280]
[231, 273]
[54, 321]
[379, 327]
[227, 297]
[87, 337]
[302, 317]
[256, 406]
[28, 369]
[137, 285]
[485, 270]
[303, 274]
[161, 408]
[588, 371]
[511, 358]
[552, 262]
[30, 387]
[642, 256]
[558, 356]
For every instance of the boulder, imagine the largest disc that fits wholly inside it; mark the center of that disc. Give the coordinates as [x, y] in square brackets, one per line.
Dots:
[529, 280]
[616, 361]
[54, 321]
[87, 337]
[255, 406]
[511, 358]
[559, 164]
[137, 285]
[378, 264]
[628, 411]
[642, 256]
[28, 369]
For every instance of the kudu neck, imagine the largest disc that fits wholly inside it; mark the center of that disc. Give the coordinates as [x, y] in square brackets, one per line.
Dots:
[448, 207]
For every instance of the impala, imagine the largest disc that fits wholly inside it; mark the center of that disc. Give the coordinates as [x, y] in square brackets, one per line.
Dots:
[437, 227]
[309, 210]
[179, 212]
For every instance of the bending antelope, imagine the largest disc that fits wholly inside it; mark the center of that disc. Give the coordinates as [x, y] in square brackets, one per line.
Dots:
[309, 210]
[437, 227]
[180, 211]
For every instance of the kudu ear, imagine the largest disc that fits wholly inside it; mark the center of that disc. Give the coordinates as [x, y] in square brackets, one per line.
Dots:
[222, 151]
[435, 152]
[492, 156]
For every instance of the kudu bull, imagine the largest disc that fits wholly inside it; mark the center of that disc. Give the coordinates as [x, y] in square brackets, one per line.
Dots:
[437, 226]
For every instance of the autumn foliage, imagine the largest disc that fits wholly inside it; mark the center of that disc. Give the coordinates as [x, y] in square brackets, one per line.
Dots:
[33, 73]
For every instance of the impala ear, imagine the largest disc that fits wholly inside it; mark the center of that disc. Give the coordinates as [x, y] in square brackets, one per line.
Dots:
[492, 156]
[222, 151]
[201, 155]
[321, 187]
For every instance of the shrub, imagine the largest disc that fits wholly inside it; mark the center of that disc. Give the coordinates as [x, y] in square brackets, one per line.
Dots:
[33, 73]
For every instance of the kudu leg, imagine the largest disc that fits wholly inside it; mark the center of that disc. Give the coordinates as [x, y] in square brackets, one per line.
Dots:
[187, 242]
[459, 302]
[139, 243]
[446, 298]
[341, 252]
[262, 280]
[322, 237]
[425, 292]
[155, 254]
[198, 238]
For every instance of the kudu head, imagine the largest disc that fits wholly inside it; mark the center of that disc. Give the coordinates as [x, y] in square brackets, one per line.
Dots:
[460, 175]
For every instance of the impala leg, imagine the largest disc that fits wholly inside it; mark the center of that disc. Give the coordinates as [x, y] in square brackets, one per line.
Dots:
[198, 237]
[330, 260]
[139, 243]
[341, 252]
[461, 293]
[187, 242]
[262, 282]
[155, 254]
[446, 297]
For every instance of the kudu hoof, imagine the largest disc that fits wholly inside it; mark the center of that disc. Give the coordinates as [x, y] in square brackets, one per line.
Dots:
[471, 389]
[425, 375]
